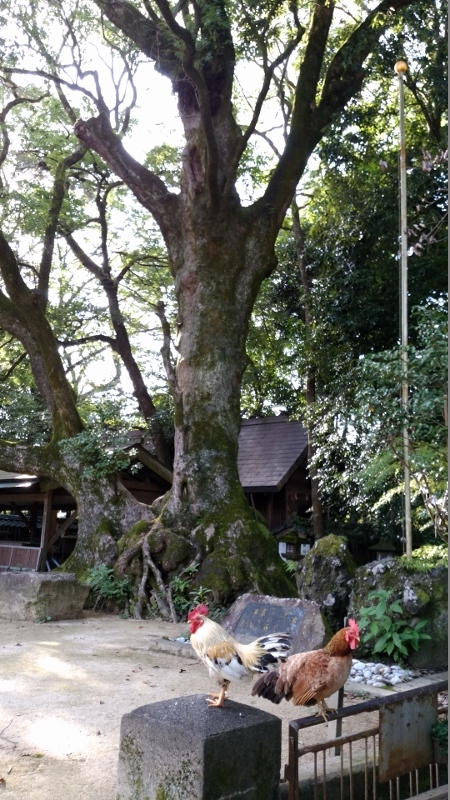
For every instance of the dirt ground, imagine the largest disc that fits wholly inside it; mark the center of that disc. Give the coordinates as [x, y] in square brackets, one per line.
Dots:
[64, 687]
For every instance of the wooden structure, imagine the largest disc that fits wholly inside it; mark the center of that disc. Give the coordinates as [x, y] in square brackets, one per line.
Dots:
[38, 520]
[273, 471]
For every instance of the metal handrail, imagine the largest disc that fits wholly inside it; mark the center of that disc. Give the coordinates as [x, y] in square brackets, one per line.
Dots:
[291, 770]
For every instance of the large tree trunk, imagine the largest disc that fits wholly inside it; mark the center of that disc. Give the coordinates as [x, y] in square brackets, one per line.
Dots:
[235, 550]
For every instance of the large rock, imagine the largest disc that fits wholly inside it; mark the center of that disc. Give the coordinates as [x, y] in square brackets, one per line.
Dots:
[422, 595]
[181, 749]
[324, 575]
[255, 615]
[40, 596]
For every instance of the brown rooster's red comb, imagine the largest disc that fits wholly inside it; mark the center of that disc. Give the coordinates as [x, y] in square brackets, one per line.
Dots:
[354, 626]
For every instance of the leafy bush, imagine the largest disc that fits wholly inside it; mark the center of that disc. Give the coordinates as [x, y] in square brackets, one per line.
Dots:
[427, 557]
[391, 636]
[290, 566]
[107, 588]
[180, 586]
[439, 731]
[100, 454]
[185, 597]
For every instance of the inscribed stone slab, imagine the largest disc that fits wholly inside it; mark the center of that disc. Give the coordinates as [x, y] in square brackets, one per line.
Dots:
[254, 615]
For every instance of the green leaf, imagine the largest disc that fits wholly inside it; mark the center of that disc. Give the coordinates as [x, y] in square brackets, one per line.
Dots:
[420, 624]
[380, 645]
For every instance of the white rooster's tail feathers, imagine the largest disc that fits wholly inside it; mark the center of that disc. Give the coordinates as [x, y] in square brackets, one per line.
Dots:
[276, 648]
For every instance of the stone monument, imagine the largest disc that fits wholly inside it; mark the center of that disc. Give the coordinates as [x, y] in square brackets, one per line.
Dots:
[254, 615]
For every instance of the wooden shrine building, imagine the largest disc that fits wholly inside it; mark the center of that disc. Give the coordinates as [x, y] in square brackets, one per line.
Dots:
[38, 520]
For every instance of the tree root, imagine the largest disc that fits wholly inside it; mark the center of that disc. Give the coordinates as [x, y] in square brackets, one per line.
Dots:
[149, 564]
[127, 555]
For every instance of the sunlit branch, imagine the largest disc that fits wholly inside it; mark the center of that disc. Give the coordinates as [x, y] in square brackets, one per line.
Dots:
[54, 211]
[126, 113]
[14, 364]
[100, 337]
[268, 76]
[166, 353]
[148, 188]
[4, 113]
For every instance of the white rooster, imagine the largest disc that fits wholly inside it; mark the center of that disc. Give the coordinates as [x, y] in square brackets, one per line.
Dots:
[228, 660]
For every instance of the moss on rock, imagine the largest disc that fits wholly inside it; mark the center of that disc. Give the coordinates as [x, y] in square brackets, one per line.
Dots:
[422, 595]
[324, 575]
[133, 535]
[239, 555]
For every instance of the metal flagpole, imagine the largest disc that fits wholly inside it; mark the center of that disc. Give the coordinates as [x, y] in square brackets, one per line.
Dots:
[401, 68]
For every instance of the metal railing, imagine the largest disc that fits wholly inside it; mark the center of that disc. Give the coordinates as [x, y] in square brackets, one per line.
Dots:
[348, 767]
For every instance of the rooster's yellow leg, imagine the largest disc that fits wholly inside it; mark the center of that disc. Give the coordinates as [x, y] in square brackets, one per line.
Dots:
[322, 710]
[217, 700]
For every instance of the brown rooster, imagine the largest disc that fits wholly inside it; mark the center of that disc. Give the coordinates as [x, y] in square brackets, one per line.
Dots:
[309, 678]
[229, 660]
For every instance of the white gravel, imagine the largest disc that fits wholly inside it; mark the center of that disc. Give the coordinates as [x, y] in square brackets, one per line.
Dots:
[380, 675]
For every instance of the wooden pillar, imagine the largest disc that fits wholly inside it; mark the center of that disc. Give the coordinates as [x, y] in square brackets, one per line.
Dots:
[45, 530]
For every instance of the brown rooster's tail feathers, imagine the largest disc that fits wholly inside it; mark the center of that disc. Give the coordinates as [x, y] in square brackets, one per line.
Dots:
[276, 648]
[265, 687]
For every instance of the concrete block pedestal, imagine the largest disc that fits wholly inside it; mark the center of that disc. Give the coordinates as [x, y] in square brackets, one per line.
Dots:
[37, 596]
[182, 749]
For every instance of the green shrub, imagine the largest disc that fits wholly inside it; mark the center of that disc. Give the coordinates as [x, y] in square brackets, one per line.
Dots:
[426, 557]
[387, 633]
[439, 731]
[185, 596]
[107, 588]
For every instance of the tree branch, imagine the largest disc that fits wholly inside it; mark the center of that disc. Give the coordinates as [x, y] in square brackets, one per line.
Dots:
[99, 337]
[148, 188]
[54, 211]
[268, 76]
[13, 366]
[20, 458]
[4, 113]
[343, 81]
[346, 73]
[23, 316]
[165, 352]
[122, 345]
[148, 34]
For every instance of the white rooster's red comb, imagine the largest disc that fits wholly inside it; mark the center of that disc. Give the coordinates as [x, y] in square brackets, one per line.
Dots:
[195, 612]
